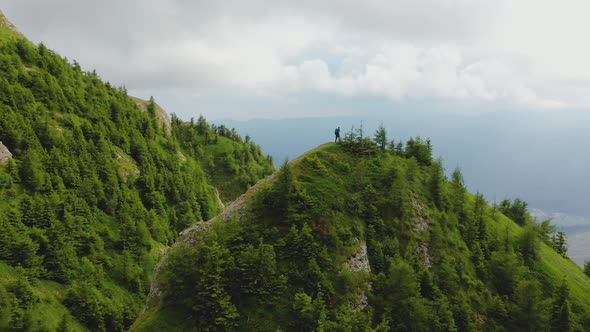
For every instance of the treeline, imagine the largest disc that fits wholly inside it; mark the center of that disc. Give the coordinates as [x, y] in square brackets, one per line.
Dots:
[95, 189]
[356, 142]
[440, 258]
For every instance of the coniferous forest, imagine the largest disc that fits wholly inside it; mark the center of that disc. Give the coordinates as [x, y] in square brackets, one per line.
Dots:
[98, 185]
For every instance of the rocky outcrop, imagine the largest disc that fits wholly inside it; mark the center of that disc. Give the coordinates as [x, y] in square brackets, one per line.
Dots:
[420, 226]
[5, 154]
[359, 262]
[163, 117]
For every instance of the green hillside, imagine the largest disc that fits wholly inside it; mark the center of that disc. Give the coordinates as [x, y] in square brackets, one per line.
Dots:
[94, 186]
[359, 236]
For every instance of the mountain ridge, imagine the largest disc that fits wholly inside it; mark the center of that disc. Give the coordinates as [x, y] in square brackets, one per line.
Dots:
[521, 264]
[233, 211]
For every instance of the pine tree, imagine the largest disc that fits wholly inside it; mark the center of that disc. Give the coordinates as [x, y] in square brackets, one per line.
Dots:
[561, 316]
[31, 172]
[438, 187]
[202, 125]
[381, 137]
[303, 310]
[391, 146]
[528, 242]
[560, 243]
[399, 148]
[516, 210]
[530, 307]
[151, 106]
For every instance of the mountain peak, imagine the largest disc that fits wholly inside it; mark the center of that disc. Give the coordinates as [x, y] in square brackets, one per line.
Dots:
[353, 229]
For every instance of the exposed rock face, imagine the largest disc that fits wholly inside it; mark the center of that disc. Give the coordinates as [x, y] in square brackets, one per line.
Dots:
[361, 300]
[420, 226]
[422, 251]
[359, 262]
[5, 154]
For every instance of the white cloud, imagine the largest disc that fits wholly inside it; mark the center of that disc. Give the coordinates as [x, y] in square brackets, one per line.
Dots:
[400, 71]
[527, 52]
[551, 35]
[229, 54]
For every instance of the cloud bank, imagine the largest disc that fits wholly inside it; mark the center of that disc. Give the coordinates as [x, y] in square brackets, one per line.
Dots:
[526, 53]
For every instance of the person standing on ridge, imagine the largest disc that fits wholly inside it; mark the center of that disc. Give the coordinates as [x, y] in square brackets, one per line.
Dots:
[337, 134]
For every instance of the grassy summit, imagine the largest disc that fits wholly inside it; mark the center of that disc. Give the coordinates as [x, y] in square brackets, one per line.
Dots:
[353, 237]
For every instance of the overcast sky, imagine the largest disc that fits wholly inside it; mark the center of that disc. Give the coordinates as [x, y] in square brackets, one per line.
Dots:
[244, 59]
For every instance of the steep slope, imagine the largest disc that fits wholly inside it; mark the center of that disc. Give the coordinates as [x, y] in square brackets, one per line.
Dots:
[94, 185]
[352, 237]
[232, 164]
